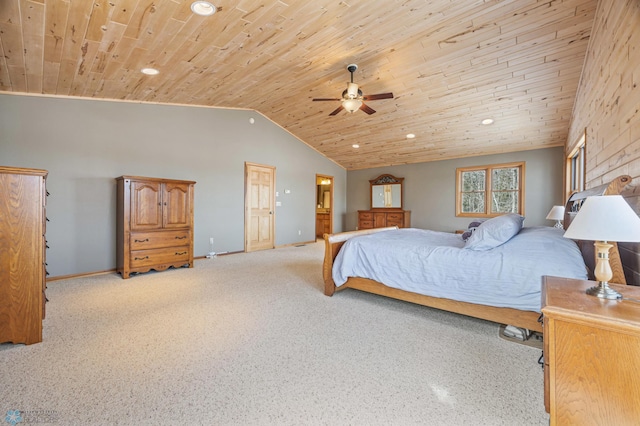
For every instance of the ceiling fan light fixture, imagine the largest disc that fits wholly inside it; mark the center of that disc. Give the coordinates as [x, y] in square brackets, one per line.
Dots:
[352, 105]
[203, 8]
[352, 90]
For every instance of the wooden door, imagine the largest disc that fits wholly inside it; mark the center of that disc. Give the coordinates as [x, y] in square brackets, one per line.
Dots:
[325, 182]
[146, 205]
[176, 205]
[259, 207]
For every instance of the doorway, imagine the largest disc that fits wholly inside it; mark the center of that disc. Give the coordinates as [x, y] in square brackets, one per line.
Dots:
[324, 205]
[259, 205]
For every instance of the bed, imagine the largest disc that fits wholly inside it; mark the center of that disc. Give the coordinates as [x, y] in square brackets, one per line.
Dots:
[500, 283]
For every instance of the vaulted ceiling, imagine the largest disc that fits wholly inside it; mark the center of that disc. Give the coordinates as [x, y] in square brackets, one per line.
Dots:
[449, 64]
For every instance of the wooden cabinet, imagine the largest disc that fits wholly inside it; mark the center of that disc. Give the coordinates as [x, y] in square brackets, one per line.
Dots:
[592, 354]
[154, 224]
[323, 224]
[22, 254]
[368, 219]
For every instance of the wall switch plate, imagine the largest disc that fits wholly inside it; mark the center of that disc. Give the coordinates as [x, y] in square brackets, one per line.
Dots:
[278, 203]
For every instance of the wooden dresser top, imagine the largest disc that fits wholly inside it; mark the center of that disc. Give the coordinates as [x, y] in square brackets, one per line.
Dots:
[565, 297]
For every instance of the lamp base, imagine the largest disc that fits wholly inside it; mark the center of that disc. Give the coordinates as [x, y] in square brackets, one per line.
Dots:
[603, 291]
[558, 225]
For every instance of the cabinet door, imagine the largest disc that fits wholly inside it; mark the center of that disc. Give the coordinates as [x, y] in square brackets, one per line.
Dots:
[176, 205]
[146, 205]
[379, 220]
[319, 226]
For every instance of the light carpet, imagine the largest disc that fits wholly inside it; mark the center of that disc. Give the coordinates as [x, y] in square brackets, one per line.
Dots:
[250, 339]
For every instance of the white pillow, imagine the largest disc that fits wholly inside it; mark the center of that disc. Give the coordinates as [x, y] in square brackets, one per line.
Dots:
[494, 232]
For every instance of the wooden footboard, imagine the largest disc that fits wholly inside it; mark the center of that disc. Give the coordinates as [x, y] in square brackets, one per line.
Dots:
[333, 243]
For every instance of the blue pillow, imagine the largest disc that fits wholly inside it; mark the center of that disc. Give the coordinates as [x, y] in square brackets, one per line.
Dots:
[494, 232]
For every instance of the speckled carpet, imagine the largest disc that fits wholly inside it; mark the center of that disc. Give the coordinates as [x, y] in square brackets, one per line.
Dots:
[250, 339]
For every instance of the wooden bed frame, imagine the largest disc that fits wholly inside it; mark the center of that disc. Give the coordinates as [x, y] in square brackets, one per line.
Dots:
[515, 317]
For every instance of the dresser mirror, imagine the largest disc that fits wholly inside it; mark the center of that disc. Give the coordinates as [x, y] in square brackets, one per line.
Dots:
[386, 192]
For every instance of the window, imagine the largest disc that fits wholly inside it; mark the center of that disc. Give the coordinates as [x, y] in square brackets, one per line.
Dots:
[576, 167]
[488, 191]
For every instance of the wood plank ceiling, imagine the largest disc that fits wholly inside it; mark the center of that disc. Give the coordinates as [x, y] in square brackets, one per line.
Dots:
[449, 63]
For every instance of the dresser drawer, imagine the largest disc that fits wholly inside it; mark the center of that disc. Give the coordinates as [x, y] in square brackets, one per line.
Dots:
[149, 240]
[395, 217]
[156, 257]
[365, 224]
[365, 216]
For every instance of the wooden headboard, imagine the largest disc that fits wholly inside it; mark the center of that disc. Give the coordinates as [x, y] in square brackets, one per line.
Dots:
[572, 207]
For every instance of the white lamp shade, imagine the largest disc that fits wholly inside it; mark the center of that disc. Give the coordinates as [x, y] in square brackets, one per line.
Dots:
[352, 105]
[605, 218]
[556, 213]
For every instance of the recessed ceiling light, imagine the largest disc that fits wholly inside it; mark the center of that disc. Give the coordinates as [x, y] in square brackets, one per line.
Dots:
[487, 121]
[410, 135]
[149, 71]
[203, 8]
[355, 145]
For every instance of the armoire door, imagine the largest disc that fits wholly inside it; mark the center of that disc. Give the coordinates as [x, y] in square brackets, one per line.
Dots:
[146, 205]
[176, 206]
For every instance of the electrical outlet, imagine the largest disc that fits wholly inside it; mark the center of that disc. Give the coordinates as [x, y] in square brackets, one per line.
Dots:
[211, 240]
[299, 232]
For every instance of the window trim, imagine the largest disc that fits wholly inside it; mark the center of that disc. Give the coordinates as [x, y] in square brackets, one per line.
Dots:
[579, 152]
[487, 202]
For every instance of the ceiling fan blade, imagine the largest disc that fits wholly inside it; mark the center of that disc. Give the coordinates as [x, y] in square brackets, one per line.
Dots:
[326, 99]
[367, 109]
[378, 96]
[340, 108]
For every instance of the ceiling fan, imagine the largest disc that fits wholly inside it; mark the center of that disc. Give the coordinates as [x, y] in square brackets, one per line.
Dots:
[352, 98]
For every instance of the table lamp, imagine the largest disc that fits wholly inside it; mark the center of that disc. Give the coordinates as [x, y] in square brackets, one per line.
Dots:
[556, 213]
[601, 219]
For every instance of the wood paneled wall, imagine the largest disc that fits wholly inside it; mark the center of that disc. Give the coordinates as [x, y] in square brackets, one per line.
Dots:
[608, 106]
[608, 99]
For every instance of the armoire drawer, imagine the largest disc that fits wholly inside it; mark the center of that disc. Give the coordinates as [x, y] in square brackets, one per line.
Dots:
[169, 255]
[149, 240]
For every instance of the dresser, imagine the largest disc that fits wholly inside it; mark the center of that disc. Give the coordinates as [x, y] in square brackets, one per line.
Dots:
[368, 219]
[22, 254]
[154, 224]
[592, 354]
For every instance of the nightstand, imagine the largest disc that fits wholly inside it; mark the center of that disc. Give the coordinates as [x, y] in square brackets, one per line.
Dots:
[592, 354]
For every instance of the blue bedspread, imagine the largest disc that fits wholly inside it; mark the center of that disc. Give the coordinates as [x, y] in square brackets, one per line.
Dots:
[436, 264]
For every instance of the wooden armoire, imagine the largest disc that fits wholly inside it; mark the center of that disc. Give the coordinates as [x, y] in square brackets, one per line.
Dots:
[154, 224]
[22, 254]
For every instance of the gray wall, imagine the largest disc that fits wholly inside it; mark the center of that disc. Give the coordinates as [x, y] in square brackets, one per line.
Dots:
[429, 188]
[85, 144]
